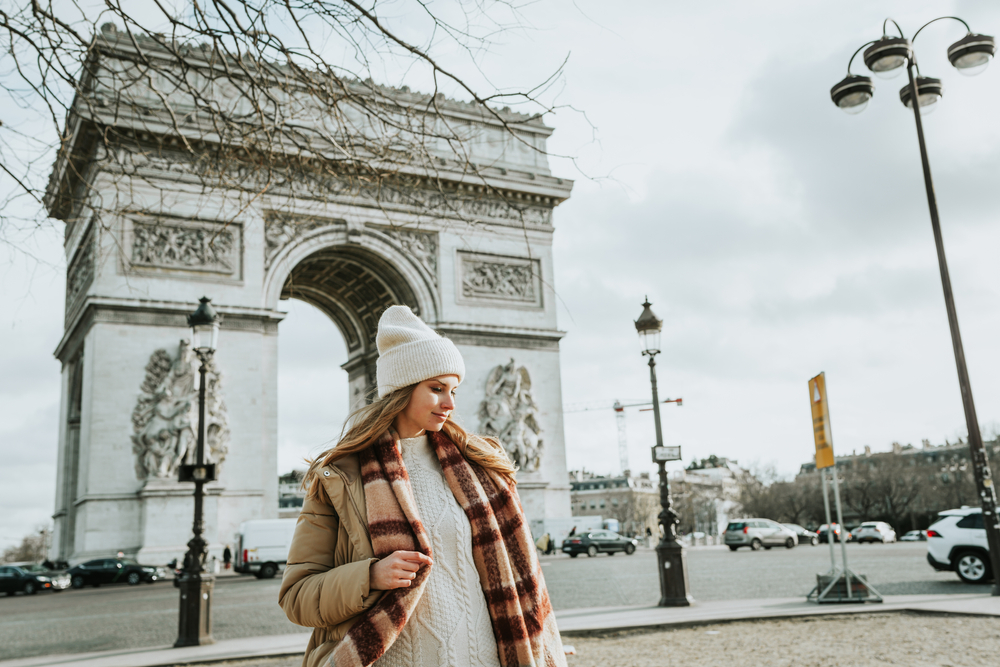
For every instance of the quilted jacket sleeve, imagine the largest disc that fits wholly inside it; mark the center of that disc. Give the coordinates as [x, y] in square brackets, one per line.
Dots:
[314, 592]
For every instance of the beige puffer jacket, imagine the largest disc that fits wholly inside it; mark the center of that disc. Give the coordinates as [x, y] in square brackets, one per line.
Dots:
[326, 581]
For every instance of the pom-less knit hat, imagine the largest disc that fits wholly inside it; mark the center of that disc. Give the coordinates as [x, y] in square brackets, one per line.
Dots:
[409, 352]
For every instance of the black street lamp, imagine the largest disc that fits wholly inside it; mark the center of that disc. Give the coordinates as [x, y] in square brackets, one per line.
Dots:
[195, 624]
[671, 559]
[970, 55]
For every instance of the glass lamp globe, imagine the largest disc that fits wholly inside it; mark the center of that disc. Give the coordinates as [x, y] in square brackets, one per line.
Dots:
[649, 327]
[204, 323]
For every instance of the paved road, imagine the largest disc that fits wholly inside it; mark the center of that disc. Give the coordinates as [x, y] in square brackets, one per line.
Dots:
[129, 617]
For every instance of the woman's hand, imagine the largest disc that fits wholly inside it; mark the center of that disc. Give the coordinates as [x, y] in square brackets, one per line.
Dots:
[397, 570]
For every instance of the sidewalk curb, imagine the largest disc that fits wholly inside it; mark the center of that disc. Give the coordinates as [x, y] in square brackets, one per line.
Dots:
[586, 622]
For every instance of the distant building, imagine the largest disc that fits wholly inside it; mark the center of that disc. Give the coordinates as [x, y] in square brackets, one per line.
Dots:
[634, 501]
[706, 494]
[943, 456]
[290, 494]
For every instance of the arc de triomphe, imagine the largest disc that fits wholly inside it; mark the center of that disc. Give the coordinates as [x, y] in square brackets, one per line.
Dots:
[480, 273]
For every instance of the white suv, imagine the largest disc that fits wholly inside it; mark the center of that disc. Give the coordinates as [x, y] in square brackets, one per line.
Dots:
[874, 531]
[957, 542]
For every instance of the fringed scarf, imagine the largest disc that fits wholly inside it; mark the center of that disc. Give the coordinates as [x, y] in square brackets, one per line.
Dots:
[502, 548]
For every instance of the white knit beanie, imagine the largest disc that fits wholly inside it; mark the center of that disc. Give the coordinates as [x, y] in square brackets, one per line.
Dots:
[409, 352]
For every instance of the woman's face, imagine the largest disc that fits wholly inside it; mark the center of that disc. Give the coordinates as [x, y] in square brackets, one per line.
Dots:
[430, 406]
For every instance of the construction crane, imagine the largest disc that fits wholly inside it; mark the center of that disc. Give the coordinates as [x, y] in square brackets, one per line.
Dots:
[619, 409]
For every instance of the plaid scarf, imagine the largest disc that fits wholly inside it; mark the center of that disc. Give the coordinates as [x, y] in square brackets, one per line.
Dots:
[502, 548]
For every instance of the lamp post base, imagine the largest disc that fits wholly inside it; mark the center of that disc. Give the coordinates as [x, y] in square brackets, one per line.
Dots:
[674, 585]
[195, 626]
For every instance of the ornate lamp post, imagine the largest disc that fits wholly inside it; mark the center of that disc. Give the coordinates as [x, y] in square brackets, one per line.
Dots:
[670, 557]
[970, 55]
[195, 625]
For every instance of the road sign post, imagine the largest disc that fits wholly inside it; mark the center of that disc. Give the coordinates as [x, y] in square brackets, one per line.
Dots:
[836, 585]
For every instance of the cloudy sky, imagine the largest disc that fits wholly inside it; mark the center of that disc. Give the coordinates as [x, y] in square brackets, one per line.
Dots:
[775, 235]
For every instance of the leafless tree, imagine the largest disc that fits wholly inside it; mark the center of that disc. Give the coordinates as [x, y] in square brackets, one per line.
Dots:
[257, 97]
[32, 548]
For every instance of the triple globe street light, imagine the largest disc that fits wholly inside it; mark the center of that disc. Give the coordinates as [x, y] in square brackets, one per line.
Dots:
[886, 57]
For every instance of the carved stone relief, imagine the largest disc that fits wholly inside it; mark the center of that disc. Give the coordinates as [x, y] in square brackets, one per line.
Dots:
[165, 418]
[413, 198]
[212, 247]
[81, 270]
[421, 246]
[280, 229]
[506, 279]
[510, 414]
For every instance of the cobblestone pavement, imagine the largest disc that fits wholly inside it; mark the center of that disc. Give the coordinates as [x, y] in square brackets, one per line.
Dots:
[913, 640]
[113, 617]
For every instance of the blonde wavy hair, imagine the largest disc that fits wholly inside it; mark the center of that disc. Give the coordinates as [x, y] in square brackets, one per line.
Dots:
[367, 424]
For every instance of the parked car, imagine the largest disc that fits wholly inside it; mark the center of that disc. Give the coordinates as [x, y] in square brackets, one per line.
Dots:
[823, 530]
[875, 531]
[30, 578]
[804, 535]
[956, 542]
[914, 536]
[757, 534]
[598, 541]
[113, 571]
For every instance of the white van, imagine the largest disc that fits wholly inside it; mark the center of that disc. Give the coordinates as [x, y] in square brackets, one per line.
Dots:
[262, 546]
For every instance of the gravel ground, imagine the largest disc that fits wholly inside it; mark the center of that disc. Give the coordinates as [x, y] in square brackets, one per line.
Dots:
[913, 640]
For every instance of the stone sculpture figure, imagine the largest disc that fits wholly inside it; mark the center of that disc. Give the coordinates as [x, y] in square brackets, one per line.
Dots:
[509, 413]
[166, 415]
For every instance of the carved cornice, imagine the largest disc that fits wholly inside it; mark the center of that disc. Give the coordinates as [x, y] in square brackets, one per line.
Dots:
[157, 313]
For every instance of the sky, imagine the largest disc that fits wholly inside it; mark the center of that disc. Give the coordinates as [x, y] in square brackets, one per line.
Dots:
[775, 235]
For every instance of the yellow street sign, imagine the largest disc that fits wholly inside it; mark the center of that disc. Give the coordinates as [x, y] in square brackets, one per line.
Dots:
[821, 421]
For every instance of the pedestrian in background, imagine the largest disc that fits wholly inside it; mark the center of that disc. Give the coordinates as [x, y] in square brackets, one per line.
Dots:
[227, 556]
[409, 519]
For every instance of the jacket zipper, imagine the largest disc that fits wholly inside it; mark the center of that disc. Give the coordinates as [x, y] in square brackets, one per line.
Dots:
[357, 510]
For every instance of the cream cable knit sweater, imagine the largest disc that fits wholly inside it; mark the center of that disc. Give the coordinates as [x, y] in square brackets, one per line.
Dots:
[451, 624]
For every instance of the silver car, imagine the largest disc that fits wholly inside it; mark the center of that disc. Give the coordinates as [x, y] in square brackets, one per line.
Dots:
[758, 534]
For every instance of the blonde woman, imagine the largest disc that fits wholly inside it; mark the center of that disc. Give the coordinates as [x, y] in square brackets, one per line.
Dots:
[412, 548]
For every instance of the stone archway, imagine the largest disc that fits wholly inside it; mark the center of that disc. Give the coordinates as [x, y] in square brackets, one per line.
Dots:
[352, 286]
[351, 274]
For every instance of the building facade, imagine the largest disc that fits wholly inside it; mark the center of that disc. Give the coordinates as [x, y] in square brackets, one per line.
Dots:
[633, 501]
[146, 237]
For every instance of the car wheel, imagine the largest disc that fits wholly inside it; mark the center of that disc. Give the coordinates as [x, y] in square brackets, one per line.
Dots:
[134, 579]
[267, 571]
[814, 541]
[629, 549]
[78, 582]
[30, 588]
[756, 544]
[591, 551]
[733, 547]
[971, 568]
[789, 543]
[573, 555]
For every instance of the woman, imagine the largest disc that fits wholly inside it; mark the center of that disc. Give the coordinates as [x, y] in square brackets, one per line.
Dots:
[382, 563]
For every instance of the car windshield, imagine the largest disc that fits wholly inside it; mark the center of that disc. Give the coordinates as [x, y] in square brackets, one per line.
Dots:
[129, 561]
[735, 525]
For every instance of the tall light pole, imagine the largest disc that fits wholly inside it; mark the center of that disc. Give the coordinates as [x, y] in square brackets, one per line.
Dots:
[671, 559]
[195, 623]
[970, 55]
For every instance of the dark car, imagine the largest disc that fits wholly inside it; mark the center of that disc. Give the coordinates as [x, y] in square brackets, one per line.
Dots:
[805, 536]
[30, 578]
[598, 541]
[822, 531]
[113, 571]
